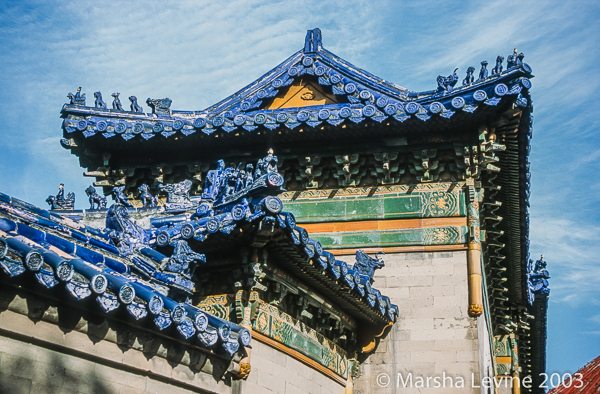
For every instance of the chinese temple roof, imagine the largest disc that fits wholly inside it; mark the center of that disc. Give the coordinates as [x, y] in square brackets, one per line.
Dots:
[125, 264]
[240, 208]
[317, 104]
[60, 252]
[310, 94]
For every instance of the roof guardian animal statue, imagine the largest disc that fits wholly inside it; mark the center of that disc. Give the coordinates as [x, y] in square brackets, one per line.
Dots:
[77, 98]
[160, 107]
[99, 103]
[469, 78]
[537, 279]
[178, 195]
[119, 196]
[124, 233]
[446, 84]
[511, 60]
[59, 201]
[184, 260]
[483, 73]
[116, 104]
[498, 68]
[135, 107]
[148, 200]
[96, 200]
[366, 265]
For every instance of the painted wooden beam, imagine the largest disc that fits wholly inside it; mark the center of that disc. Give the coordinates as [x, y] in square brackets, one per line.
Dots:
[376, 204]
[401, 249]
[375, 225]
[443, 235]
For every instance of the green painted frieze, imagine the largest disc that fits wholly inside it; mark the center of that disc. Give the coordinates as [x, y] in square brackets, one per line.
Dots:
[392, 202]
[451, 235]
[281, 327]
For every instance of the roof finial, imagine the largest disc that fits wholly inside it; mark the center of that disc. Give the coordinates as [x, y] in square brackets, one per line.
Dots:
[313, 41]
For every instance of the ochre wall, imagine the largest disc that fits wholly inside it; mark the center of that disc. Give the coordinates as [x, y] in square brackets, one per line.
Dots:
[434, 333]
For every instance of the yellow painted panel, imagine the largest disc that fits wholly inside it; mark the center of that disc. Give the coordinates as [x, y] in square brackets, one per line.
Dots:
[302, 94]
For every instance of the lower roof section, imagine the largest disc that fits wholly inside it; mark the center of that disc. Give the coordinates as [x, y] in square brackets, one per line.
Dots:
[57, 252]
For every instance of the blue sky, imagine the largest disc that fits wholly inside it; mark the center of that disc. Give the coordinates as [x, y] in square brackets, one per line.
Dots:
[199, 52]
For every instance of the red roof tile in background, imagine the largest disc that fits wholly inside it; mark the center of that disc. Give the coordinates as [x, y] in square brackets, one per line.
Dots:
[586, 383]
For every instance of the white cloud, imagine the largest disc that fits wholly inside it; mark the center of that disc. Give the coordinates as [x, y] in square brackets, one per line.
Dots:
[591, 332]
[572, 251]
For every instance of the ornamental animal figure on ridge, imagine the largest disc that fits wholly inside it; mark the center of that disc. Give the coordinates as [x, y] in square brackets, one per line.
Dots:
[537, 278]
[123, 232]
[77, 98]
[483, 73]
[366, 265]
[119, 196]
[99, 103]
[184, 260]
[511, 60]
[214, 179]
[266, 165]
[447, 83]
[224, 185]
[178, 195]
[469, 78]
[148, 200]
[59, 201]
[96, 200]
[135, 107]
[116, 104]
[498, 68]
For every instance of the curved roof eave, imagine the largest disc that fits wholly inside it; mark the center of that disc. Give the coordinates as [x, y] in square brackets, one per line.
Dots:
[59, 251]
[363, 96]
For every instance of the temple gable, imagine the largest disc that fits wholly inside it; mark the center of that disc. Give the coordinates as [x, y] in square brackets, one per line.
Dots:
[302, 93]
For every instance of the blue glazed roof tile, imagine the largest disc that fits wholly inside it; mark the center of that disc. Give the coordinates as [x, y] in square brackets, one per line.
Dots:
[370, 97]
[46, 249]
[119, 265]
